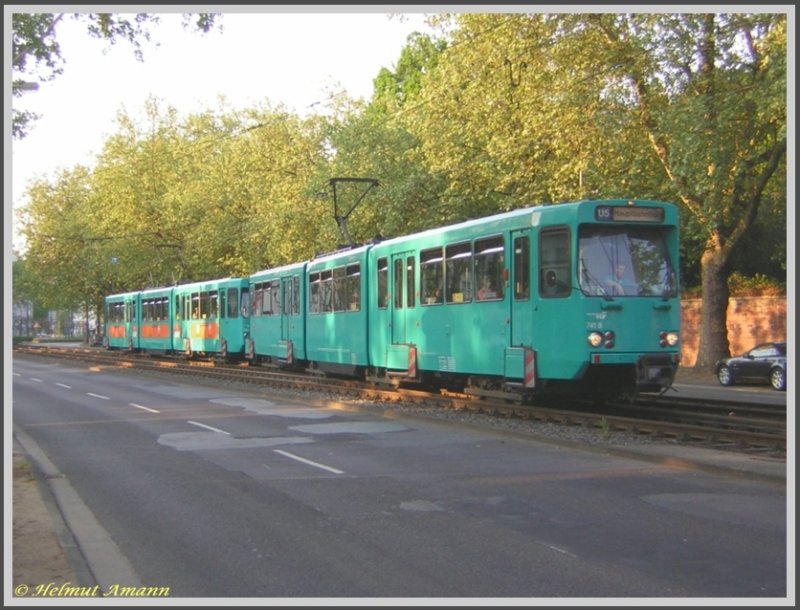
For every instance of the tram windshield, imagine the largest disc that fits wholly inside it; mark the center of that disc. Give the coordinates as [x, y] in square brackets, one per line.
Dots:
[629, 261]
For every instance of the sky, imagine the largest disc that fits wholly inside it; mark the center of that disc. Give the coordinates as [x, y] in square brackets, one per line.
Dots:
[291, 58]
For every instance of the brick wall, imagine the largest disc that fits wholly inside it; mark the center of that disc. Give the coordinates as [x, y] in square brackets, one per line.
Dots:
[751, 320]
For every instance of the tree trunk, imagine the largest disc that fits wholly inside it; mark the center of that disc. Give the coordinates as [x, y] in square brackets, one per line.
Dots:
[714, 310]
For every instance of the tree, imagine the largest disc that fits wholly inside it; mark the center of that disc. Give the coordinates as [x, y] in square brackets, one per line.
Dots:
[36, 54]
[177, 200]
[709, 91]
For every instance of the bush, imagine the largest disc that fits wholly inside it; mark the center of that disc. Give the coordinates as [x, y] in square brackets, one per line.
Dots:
[757, 286]
[740, 286]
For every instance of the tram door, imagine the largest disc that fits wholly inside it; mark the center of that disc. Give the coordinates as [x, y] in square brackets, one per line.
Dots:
[403, 295]
[521, 307]
[289, 307]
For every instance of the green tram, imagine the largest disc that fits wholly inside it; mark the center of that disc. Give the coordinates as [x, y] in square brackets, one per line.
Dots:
[278, 314]
[122, 321]
[580, 296]
[526, 300]
[212, 317]
[156, 324]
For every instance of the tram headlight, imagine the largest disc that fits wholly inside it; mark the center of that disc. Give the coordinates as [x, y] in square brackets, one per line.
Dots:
[609, 339]
[595, 339]
[667, 338]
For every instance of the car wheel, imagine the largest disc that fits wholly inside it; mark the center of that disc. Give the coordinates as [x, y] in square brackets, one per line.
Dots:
[777, 378]
[724, 375]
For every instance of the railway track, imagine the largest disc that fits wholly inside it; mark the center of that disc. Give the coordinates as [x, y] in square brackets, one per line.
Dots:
[720, 424]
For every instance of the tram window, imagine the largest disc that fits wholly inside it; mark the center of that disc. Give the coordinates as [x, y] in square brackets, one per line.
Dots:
[383, 283]
[245, 302]
[554, 277]
[410, 284]
[233, 303]
[353, 283]
[458, 273]
[326, 290]
[489, 265]
[522, 268]
[213, 304]
[295, 300]
[398, 283]
[130, 311]
[266, 296]
[274, 298]
[287, 296]
[339, 289]
[431, 270]
[314, 292]
[258, 295]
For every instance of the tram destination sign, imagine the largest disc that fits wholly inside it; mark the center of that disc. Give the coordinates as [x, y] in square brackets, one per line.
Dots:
[618, 213]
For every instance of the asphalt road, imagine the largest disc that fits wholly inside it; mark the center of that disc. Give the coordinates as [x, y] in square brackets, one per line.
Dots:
[220, 493]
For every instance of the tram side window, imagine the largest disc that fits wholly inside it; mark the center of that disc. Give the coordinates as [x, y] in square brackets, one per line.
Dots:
[245, 302]
[258, 297]
[130, 311]
[398, 283]
[431, 269]
[522, 268]
[339, 290]
[383, 283]
[554, 277]
[353, 282]
[489, 265]
[326, 291]
[271, 303]
[117, 312]
[295, 300]
[314, 289]
[233, 303]
[213, 304]
[152, 310]
[287, 296]
[410, 285]
[458, 273]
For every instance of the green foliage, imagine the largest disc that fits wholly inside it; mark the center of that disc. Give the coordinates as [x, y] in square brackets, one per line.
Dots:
[757, 285]
[744, 286]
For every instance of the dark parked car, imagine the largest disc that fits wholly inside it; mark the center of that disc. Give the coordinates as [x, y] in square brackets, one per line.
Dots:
[765, 363]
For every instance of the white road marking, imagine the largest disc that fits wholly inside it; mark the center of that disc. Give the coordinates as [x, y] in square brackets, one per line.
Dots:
[64, 385]
[37, 380]
[212, 428]
[309, 462]
[98, 396]
[133, 404]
